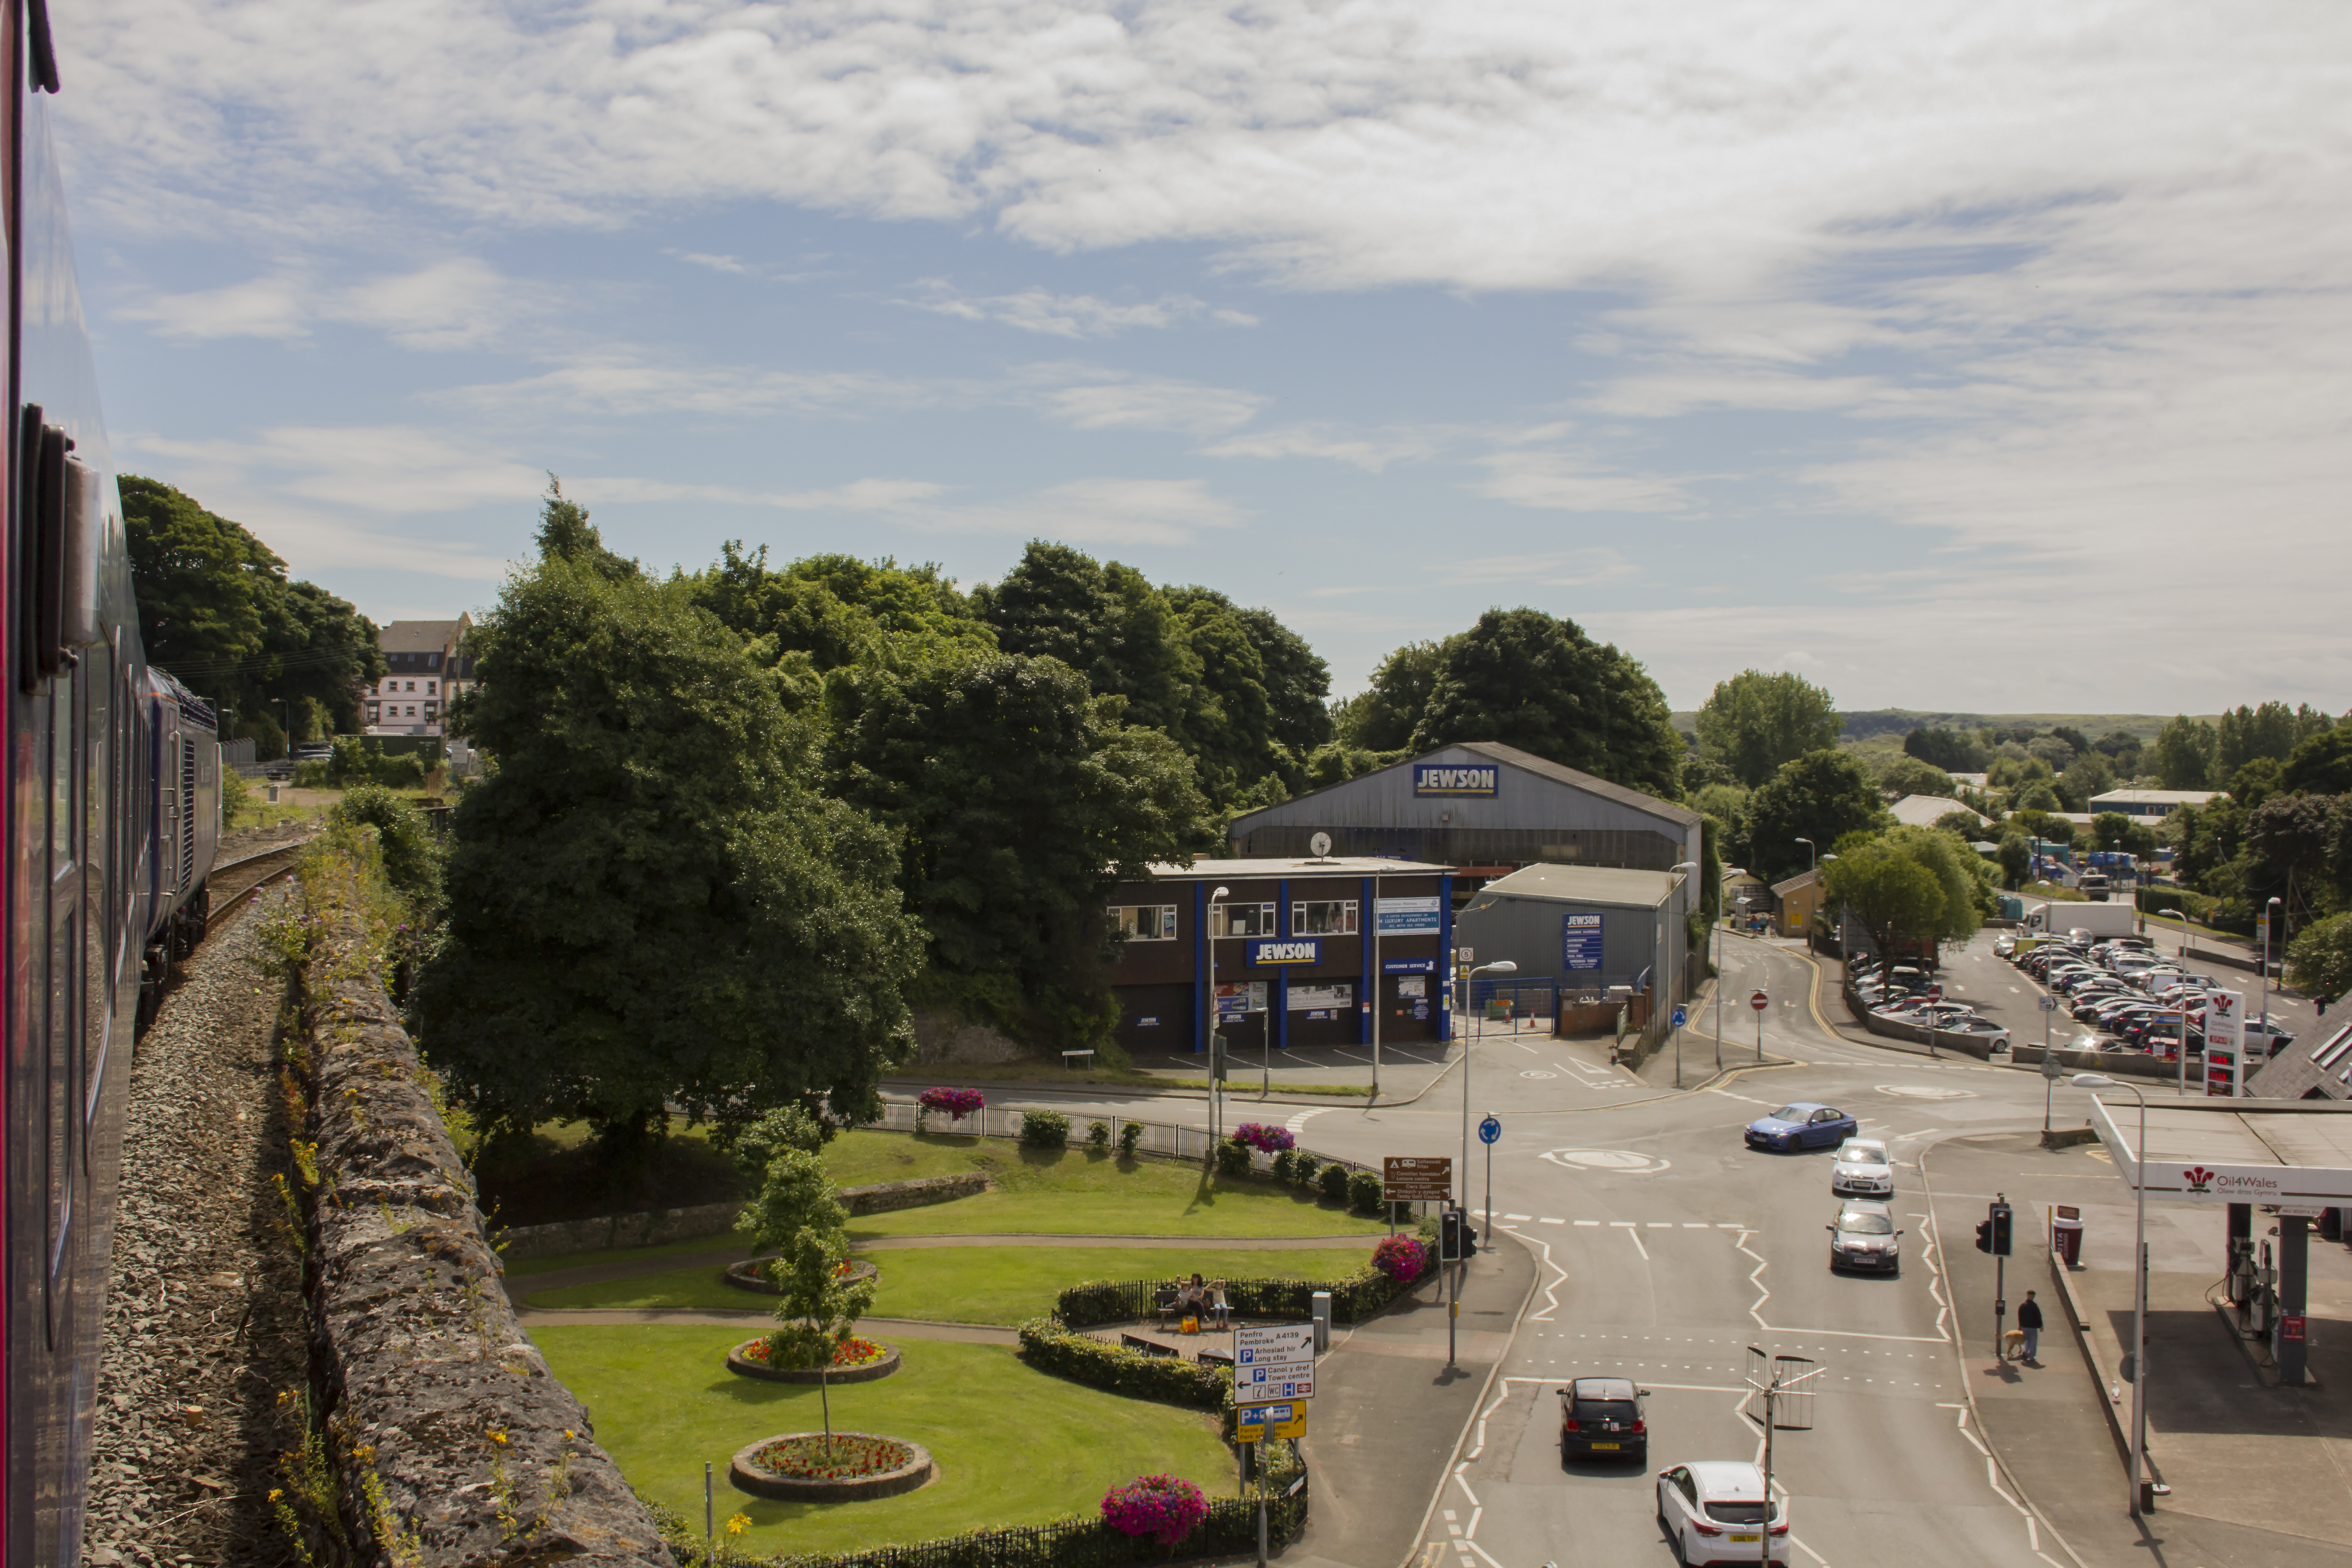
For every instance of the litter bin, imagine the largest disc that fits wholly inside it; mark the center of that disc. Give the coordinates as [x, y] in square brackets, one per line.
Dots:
[2067, 1235]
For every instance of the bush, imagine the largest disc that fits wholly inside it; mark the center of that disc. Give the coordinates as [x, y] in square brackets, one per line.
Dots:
[1232, 1158]
[1334, 1182]
[1099, 1135]
[411, 861]
[1047, 1346]
[1164, 1508]
[1303, 1166]
[1284, 1163]
[1364, 1192]
[1044, 1130]
[1129, 1137]
[2319, 961]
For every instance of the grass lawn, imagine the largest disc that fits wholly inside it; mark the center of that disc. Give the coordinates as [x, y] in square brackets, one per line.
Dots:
[521, 1269]
[1013, 1447]
[975, 1284]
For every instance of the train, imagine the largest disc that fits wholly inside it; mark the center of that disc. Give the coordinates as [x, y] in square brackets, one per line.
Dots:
[113, 820]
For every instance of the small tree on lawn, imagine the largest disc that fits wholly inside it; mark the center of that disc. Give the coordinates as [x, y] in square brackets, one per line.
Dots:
[797, 1214]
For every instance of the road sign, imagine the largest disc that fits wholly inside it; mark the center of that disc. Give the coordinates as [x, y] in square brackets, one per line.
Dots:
[1760, 1001]
[1935, 994]
[1417, 1178]
[1273, 1363]
[1489, 1130]
[1252, 1422]
[1682, 1016]
[2051, 1065]
[2047, 1004]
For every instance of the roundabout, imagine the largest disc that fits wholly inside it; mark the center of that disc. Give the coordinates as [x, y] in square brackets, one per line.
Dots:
[1618, 1162]
[1924, 1091]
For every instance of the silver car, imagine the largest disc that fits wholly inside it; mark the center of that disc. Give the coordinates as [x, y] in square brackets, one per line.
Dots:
[1864, 1238]
[1862, 1169]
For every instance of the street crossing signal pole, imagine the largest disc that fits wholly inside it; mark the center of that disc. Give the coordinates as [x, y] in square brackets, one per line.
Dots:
[1993, 1235]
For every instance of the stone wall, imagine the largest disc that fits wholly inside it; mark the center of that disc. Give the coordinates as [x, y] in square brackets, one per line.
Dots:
[451, 1441]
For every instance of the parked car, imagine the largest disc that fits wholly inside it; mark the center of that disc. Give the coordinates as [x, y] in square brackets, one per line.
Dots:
[1863, 1168]
[1716, 1510]
[1978, 1028]
[1864, 1237]
[1601, 1418]
[2005, 944]
[1802, 1124]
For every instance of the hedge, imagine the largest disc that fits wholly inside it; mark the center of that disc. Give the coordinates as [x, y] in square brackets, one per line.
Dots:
[1353, 1298]
[1055, 1347]
[1047, 1129]
[2217, 914]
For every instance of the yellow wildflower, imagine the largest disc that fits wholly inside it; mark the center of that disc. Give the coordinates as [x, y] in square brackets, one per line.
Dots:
[739, 1523]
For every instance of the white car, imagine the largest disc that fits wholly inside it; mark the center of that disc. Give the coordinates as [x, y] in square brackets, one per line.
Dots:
[1716, 1512]
[1862, 1169]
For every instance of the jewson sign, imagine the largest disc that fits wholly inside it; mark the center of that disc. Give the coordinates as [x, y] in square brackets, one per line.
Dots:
[1452, 778]
[1285, 949]
[1579, 941]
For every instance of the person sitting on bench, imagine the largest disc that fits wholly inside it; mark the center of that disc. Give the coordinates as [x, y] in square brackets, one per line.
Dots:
[1217, 1306]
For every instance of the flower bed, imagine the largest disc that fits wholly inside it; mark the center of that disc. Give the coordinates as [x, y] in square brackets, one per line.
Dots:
[857, 1361]
[1164, 1508]
[1266, 1140]
[752, 1274]
[796, 1467]
[958, 1103]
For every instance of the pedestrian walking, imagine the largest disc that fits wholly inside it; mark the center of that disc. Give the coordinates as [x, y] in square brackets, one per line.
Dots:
[2029, 1317]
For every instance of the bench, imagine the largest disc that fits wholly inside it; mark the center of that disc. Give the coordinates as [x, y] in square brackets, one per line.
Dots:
[1208, 1357]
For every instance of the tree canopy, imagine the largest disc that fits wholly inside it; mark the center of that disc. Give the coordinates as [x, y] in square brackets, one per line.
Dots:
[1823, 796]
[1909, 885]
[651, 903]
[1536, 681]
[2184, 753]
[1382, 717]
[1951, 751]
[1754, 722]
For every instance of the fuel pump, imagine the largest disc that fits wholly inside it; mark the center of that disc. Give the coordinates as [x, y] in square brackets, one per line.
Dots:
[2263, 1308]
[2242, 1274]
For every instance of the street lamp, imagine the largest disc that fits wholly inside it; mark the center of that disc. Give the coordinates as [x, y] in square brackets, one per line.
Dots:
[1216, 1018]
[2139, 1277]
[1813, 859]
[1501, 966]
[1818, 897]
[2264, 1015]
[1682, 870]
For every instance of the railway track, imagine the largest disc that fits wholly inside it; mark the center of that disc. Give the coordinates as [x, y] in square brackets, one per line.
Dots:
[239, 880]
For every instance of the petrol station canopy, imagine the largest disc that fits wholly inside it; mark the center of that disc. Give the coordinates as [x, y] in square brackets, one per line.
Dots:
[2292, 1154]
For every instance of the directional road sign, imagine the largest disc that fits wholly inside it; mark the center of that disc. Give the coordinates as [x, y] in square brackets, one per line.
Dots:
[1273, 1363]
[1760, 1001]
[1489, 1130]
[1416, 1178]
[2047, 1004]
[1252, 1422]
[1682, 1016]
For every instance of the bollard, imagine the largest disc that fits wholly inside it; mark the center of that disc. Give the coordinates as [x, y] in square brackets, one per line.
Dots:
[1319, 1308]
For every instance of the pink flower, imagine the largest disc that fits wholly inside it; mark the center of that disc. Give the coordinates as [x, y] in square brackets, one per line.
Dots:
[1264, 1139]
[1399, 1258]
[1165, 1508]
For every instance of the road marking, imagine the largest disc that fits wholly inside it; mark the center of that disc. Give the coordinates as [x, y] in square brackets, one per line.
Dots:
[1549, 1221]
[1465, 1485]
[1588, 1222]
[1298, 1122]
[1662, 1225]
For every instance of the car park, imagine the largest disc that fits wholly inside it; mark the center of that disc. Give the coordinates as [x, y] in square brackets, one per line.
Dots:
[1718, 1512]
[1864, 1238]
[1862, 1169]
[2005, 944]
[1802, 1124]
[1602, 1418]
[1979, 1029]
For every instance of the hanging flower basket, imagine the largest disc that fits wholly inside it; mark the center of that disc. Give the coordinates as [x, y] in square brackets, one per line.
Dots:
[1266, 1140]
[1401, 1258]
[1164, 1508]
[958, 1103]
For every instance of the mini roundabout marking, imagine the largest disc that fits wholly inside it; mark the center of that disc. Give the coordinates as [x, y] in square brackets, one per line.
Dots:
[1616, 1162]
[1538, 1072]
[1924, 1091]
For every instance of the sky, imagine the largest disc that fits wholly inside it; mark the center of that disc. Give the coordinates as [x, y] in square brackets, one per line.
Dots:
[1977, 357]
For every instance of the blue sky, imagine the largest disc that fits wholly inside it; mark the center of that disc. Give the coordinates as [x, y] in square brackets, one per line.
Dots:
[1960, 356]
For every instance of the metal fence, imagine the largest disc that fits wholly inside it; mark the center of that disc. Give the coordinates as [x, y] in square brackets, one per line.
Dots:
[1161, 1138]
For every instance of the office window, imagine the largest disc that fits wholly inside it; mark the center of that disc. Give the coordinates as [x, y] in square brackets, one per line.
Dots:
[1144, 922]
[1329, 917]
[428, 689]
[1241, 920]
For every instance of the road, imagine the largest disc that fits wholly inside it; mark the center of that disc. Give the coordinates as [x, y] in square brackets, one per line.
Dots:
[1668, 1249]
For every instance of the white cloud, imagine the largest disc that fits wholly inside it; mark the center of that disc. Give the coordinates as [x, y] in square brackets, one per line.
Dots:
[1371, 450]
[1574, 482]
[627, 380]
[454, 305]
[1071, 315]
[1091, 397]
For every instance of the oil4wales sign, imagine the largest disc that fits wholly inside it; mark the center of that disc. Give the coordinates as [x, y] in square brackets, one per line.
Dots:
[1579, 941]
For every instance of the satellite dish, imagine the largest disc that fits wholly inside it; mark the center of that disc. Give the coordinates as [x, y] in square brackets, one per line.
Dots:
[1320, 844]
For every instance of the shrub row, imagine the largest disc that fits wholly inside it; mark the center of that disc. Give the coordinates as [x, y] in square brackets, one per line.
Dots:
[2218, 914]
[1353, 1298]
[1055, 1347]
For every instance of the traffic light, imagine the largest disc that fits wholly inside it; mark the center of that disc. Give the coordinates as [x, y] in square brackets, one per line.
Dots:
[1452, 1235]
[1984, 1236]
[1992, 1232]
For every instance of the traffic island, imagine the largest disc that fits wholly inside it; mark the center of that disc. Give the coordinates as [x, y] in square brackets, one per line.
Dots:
[848, 1467]
[861, 1361]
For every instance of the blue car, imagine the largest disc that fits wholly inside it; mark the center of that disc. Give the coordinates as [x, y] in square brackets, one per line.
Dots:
[1805, 1124]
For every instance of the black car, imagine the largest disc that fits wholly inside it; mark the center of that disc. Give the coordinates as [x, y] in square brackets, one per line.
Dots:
[1601, 1418]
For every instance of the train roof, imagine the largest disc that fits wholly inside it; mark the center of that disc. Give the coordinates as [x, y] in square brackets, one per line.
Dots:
[191, 705]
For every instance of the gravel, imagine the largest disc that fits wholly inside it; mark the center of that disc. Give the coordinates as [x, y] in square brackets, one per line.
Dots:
[205, 1323]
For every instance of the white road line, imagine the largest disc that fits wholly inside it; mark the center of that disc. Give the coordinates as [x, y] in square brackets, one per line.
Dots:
[1298, 1122]
[1588, 1222]
[1481, 1552]
[1471, 1532]
[1465, 1485]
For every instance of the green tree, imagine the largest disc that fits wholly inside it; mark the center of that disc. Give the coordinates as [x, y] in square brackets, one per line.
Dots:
[1756, 722]
[2319, 961]
[2039, 795]
[1535, 681]
[2255, 782]
[1910, 885]
[2016, 857]
[799, 1217]
[651, 905]
[1019, 800]
[2185, 753]
[2122, 749]
[1951, 751]
[1899, 776]
[1823, 796]
[1382, 717]
[2320, 764]
[2085, 778]
[2110, 829]
[411, 861]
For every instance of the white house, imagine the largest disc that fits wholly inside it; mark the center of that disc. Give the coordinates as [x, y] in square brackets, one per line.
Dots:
[427, 671]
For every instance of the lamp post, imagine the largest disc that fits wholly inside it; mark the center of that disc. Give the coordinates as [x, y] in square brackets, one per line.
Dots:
[1501, 966]
[2184, 931]
[1216, 1019]
[2264, 1016]
[2183, 1041]
[2139, 1279]
[1682, 870]
[1819, 899]
[1373, 979]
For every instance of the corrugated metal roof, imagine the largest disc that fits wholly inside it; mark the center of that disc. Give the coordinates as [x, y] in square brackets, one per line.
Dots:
[1922, 810]
[1275, 865]
[1802, 879]
[1610, 884]
[1585, 782]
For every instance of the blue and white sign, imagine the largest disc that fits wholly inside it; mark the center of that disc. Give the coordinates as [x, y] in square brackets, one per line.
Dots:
[1682, 1016]
[1489, 1130]
[1285, 949]
[1453, 778]
[1409, 917]
[1579, 941]
[1408, 966]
